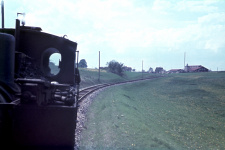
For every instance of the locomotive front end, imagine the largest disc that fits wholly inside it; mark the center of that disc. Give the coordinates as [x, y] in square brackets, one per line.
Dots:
[38, 106]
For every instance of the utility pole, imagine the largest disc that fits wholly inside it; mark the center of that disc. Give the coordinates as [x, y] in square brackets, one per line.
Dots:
[99, 67]
[184, 59]
[2, 9]
[142, 69]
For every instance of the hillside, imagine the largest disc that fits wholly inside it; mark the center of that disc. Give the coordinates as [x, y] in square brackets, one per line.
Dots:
[90, 77]
[180, 111]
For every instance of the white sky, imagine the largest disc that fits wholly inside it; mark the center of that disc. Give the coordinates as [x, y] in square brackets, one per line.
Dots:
[129, 31]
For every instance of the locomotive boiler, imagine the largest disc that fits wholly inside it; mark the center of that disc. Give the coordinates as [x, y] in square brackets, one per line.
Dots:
[38, 108]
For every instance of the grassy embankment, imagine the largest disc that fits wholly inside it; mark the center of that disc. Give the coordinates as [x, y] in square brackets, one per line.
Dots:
[181, 111]
[90, 77]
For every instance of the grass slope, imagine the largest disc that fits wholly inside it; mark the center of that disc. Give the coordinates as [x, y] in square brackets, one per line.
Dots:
[182, 111]
[90, 77]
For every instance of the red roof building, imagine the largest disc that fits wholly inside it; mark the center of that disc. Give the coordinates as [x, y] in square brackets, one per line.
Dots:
[195, 68]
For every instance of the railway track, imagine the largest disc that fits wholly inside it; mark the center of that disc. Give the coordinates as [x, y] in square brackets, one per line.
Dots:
[84, 101]
[83, 93]
[87, 91]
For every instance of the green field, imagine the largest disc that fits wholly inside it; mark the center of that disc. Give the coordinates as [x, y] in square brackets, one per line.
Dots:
[90, 77]
[180, 111]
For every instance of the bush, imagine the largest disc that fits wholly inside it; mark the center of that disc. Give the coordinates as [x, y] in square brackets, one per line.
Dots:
[82, 63]
[115, 67]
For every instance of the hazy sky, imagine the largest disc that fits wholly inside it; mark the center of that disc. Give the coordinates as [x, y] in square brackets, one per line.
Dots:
[129, 31]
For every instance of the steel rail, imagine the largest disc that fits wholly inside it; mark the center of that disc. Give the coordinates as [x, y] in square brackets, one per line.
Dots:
[87, 91]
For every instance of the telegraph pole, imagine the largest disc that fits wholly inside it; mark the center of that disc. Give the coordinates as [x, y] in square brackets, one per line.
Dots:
[184, 59]
[99, 67]
[142, 69]
[2, 9]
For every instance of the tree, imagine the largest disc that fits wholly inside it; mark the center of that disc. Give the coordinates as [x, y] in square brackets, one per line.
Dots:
[158, 70]
[150, 70]
[115, 67]
[82, 63]
[54, 69]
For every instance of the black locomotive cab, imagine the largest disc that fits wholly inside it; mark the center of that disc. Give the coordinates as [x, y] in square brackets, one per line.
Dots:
[38, 98]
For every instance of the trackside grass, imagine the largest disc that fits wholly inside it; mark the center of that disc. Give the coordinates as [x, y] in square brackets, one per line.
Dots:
[180, 111]
[90, 77]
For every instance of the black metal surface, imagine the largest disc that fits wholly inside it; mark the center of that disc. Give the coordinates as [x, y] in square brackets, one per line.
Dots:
[39, 46]
[44, 127]
[7, 60]
[6, 119]
[42, 113]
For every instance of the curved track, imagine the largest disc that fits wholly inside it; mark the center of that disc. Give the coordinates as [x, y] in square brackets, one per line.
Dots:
[86, 100]
[83, 93]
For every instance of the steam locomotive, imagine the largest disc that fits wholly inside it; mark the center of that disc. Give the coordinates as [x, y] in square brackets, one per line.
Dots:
[38, 109]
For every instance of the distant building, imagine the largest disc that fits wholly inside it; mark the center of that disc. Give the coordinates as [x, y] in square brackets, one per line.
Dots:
[159, 70]
[195, 68]
[176, 71]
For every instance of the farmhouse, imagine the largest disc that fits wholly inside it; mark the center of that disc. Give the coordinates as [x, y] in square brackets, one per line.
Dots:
[176, 71]
[195, 68]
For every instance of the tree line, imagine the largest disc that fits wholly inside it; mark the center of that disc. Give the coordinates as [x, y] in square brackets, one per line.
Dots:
[112, 66]
[116, 67]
